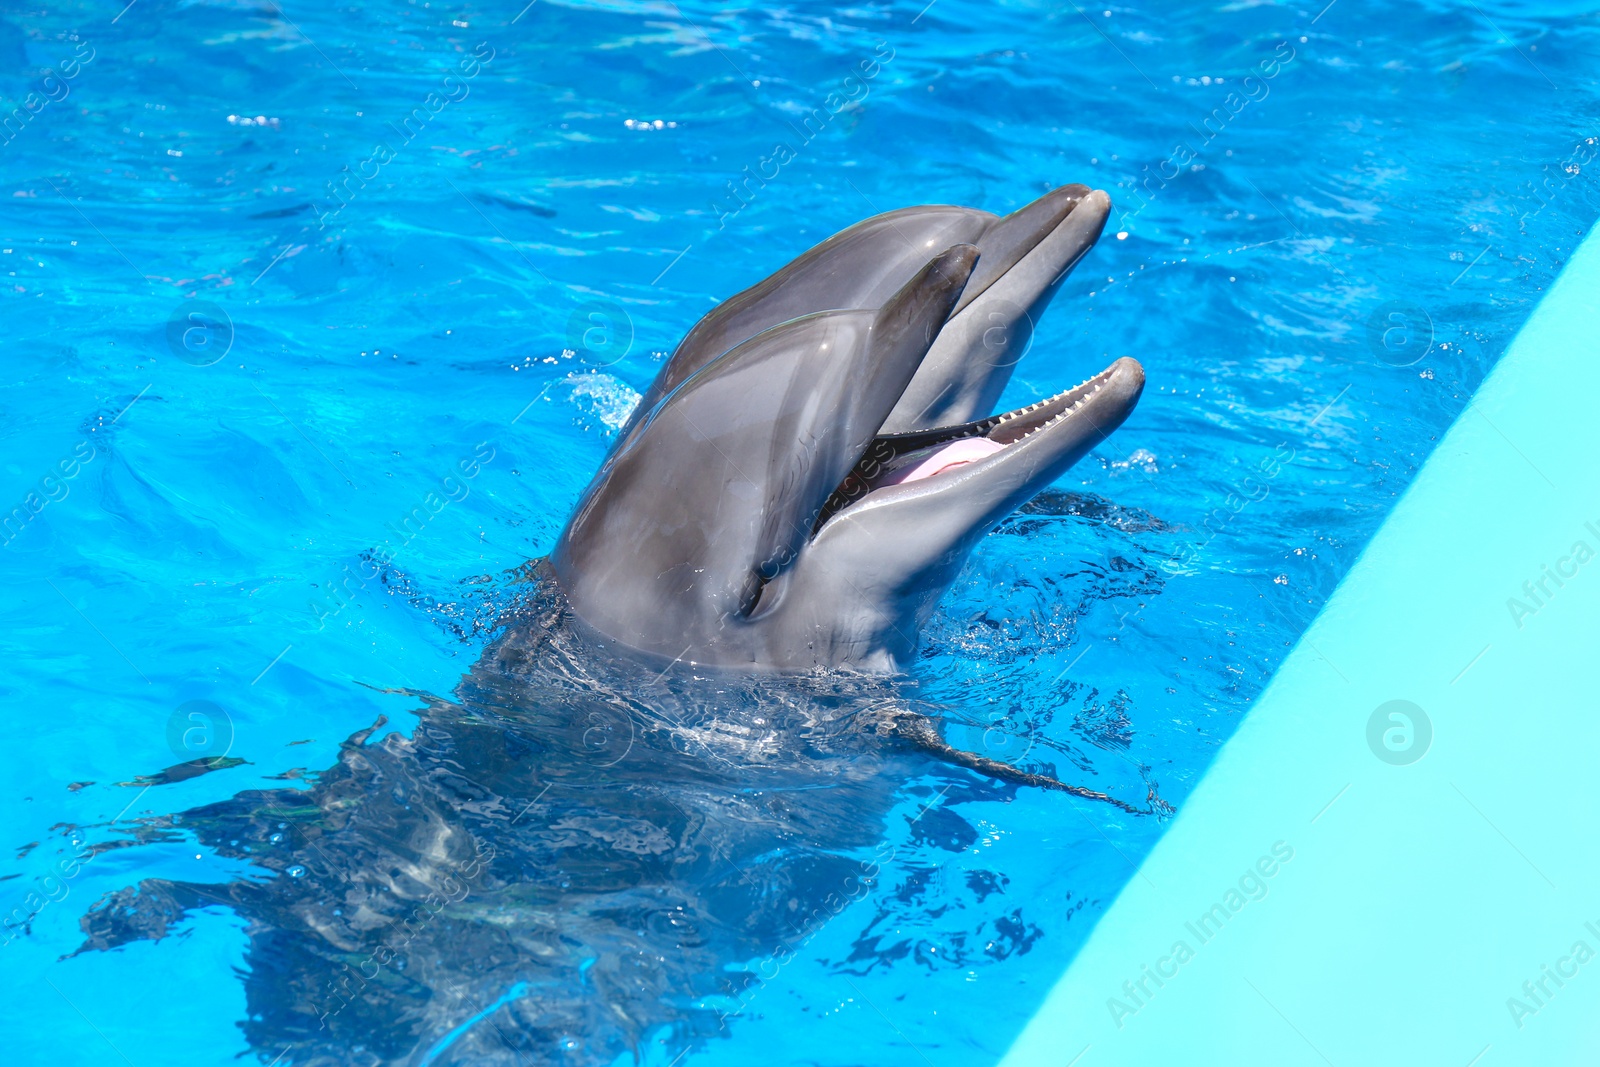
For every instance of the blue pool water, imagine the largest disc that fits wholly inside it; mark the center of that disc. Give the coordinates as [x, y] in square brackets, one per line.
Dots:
[1323, 267]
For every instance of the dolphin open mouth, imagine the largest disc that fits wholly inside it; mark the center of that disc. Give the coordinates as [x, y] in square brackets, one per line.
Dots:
[925, 460]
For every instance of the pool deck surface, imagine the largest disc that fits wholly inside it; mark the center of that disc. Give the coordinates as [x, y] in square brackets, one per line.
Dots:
[1316, 903]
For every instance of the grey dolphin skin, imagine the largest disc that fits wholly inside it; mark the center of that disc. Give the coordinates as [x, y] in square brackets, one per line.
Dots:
[644, 783]
[809, 471]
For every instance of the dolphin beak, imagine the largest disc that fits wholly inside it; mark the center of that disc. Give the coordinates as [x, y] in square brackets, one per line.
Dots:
[1023, 260]
[1009, 240]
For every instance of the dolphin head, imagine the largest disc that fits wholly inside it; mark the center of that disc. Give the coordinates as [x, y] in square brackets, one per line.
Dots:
[767, 511]
[1024, 257]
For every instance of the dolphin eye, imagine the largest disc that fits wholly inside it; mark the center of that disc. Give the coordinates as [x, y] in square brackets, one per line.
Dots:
[750, 596]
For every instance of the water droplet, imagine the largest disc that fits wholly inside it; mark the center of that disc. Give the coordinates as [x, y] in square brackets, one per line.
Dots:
[296, 871]
[276, 839]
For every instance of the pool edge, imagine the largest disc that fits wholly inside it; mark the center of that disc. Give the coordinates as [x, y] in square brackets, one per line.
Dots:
[1416, 898]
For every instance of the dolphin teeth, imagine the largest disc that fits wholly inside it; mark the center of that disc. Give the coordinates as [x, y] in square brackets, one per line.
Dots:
[1086, 390]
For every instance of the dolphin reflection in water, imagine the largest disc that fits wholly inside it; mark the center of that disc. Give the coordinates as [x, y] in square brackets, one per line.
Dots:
[677, 759]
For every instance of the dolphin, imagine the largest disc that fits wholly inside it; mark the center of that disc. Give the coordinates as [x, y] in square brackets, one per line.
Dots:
[682, 747]
[778, 509]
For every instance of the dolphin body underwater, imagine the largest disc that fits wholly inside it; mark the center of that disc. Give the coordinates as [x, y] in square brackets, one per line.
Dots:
[661, 778]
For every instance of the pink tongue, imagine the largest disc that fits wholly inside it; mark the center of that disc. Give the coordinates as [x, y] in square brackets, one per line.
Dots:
[954, 454]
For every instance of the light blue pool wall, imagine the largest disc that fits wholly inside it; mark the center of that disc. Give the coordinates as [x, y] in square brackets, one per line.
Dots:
[1401, 907]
